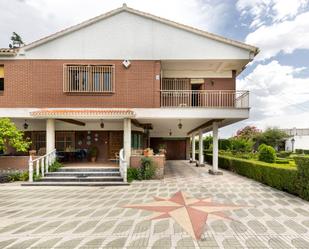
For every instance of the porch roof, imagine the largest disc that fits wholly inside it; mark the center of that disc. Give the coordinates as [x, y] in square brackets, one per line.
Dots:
[84, 113]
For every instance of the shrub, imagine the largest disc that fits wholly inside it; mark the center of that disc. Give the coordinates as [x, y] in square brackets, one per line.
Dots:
[146, 172]
[299, 151]
[241, 145]
[55, 166]
[282, 161]
[284, 154]
[148, 168]
[282, 177]
[306, 152]
[302, 163]
[224, 144]
[133, 174]
[267, 153]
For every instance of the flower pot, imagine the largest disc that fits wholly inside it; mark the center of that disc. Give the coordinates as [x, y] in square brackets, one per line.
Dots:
[93, 159]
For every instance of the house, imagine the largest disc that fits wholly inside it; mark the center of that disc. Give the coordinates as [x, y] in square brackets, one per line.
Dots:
[125, 79]
[298, 139]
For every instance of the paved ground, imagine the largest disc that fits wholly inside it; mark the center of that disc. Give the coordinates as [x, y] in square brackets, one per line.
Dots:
[94, 217]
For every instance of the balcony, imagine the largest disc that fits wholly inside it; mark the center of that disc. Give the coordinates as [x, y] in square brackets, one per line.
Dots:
[205, 98]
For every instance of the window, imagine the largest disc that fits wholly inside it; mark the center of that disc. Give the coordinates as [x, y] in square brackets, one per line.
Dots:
[88, 78]
[38, 139]
[136, 141]
[1, 78]
[65, 141]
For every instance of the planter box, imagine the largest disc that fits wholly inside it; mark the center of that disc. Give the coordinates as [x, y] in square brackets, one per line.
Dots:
[159, 160]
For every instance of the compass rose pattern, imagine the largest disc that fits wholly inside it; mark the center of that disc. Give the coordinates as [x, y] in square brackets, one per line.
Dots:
[190, 213]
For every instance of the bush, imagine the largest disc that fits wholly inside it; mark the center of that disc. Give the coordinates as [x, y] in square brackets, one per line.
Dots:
[148, 169]
[241, 145]
[282, 161]
[302, 163]
[282, 177]
[146, 172]
[224, 144]
[299, 151]
[267, 153]
[55, 166]
[133, 174]
[284, 154]
[306, 152]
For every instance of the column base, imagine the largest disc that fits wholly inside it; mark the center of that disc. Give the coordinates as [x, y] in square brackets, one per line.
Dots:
[197, 164]
[217, 172]
[192, 161]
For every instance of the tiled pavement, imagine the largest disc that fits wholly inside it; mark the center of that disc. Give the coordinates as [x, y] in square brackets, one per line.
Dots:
[94, 217]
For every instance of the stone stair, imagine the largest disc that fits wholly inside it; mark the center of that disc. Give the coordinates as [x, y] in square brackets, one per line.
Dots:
[81, 176]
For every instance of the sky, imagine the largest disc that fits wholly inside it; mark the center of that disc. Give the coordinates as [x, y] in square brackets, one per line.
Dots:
[278, 78]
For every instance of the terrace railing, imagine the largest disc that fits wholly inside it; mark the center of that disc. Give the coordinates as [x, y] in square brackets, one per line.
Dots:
[41, 164]
[123, 165]
[205, 98]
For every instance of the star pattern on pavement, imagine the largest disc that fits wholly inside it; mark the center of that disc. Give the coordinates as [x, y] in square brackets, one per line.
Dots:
[190, 213]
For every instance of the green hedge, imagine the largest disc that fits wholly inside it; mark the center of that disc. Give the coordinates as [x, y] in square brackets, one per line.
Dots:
[282, 177]
[302, 163]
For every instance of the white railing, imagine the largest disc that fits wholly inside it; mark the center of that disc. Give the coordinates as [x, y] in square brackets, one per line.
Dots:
[205, 98]
[123, 165]
[41, 164]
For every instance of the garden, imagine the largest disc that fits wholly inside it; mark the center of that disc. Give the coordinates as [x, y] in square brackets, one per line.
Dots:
[260, 156]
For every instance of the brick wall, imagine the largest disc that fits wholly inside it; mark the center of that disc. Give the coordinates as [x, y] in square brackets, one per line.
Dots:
[39, 83]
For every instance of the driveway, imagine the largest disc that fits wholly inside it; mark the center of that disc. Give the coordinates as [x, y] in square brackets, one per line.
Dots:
[192, 210]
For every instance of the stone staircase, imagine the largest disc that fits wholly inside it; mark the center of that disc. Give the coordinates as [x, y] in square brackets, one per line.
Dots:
[81, 176]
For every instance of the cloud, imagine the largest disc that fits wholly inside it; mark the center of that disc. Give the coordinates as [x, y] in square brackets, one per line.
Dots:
[263, 11]
[276, 93]
[286, 37]
[34, 19]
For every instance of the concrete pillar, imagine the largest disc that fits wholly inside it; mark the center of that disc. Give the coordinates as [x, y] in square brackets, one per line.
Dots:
[50, 135]
[187, 148]
[193, 147]
[215, 147]
[200, 148]
[127, 139]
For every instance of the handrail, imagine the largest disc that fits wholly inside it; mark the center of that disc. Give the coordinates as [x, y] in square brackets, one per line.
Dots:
[42, 162]
[205, 98]
[123, 165]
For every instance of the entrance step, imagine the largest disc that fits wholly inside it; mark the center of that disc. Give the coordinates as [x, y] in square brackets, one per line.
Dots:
[88, 169]
[81, 179]
[81, 176]
[77, 184]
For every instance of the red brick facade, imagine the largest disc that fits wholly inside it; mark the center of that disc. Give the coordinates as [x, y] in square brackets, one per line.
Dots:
[39, 83]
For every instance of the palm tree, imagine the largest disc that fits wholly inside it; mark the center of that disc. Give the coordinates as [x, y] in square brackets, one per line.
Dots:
[17, 41]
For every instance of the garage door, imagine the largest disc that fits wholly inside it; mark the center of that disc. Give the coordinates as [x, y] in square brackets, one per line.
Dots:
[175, 148]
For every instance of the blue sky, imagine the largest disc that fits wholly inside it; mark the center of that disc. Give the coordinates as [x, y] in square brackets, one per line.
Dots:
[278, 79]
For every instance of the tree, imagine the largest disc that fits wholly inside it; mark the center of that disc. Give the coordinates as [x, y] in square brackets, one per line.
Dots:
[11, 136]
[16, 40]
[248, 132]
[272, 137]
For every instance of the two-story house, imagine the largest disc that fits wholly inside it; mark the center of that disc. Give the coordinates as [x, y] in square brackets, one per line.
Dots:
[125, 79]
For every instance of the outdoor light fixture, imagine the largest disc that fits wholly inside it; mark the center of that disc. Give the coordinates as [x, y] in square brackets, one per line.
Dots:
[126, 63]
[170, 133]
[26, 125]
[180, 125]
[102, 124]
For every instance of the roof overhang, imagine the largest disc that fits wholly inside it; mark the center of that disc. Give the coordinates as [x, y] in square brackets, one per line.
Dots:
[84, 113]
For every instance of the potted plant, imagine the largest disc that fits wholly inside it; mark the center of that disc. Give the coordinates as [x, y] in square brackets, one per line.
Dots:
[93, 152]
[148, 152]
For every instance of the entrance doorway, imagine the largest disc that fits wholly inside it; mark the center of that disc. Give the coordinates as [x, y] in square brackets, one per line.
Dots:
[195, 96]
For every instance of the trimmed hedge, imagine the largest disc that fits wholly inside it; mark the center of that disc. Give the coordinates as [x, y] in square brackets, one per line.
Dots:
[282, 177]
[267, 153]
[302, 163]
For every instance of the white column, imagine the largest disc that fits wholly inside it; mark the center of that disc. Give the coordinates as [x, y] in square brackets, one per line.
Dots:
[50, 135]
[193, 147]
[201, 148]
[215, 147]
[127, 139]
